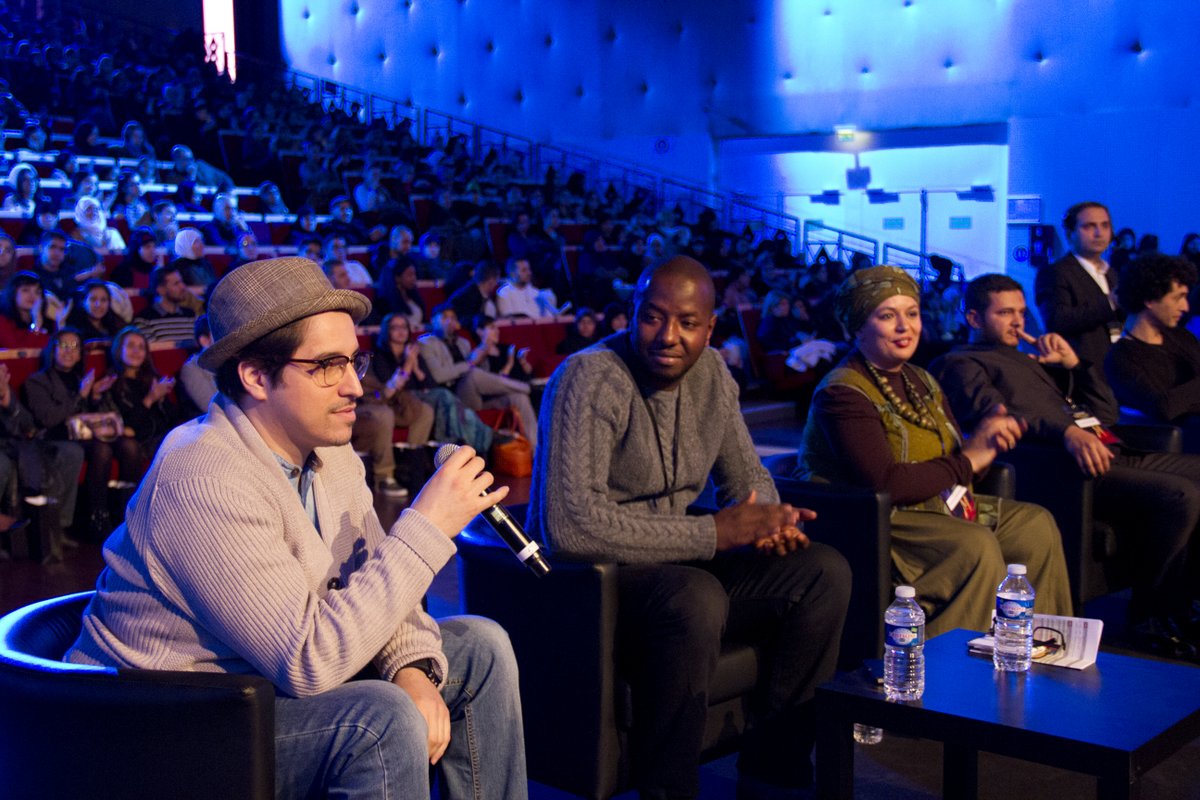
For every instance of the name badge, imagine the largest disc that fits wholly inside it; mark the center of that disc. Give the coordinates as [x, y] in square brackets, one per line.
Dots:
[1087, 422]
[955, 497]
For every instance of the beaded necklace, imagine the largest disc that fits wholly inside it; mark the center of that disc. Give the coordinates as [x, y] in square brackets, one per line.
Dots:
[921, 418]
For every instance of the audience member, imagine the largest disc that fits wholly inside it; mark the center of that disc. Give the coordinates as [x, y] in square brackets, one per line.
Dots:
[452, 365]
[399, 243]
[779, 328]
[226, 225]
[23, 181]
[141, 257]
[128, 202]
[398, 363]
[430, 264]
[45, 219]
[581, 334]
[396, 292]
[880, 422]
[335, 270]
[90, 312]
[477, 297]
[659, 397]
[140, 394]
[1077, 293]
[303, 228]
[342, 223]
[8, 258]
[518, 297]
[507, 360]
[334, 248]
[190, 260]
[270, 200]
[1152, 500]
[169, 317]
[23, 322]
[45, 469]
[185, 198]
[247, 250]
[163, 222]
[60, 390]
[91, 225]
[614, 319]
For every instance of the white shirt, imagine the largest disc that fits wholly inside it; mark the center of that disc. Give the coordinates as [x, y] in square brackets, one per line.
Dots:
[530, 301]
[1099, 272]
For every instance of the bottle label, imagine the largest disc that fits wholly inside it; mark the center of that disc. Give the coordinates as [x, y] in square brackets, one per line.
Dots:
[1014, 607]
[905, 635]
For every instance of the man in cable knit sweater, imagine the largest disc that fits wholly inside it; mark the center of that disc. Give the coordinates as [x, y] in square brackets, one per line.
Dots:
[252, 546]
[634, 426]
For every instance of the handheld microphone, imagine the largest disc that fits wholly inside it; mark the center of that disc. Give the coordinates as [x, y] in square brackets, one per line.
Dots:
[527, 551]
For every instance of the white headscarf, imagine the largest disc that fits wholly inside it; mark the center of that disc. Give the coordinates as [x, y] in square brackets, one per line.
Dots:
[92, 223]
[185, 240]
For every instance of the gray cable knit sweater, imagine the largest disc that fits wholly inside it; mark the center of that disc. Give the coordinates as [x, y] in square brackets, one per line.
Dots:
[598, 490]
[218, 568]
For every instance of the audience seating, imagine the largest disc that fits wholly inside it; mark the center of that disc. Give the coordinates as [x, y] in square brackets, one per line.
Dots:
[772, 366]
[69, 730]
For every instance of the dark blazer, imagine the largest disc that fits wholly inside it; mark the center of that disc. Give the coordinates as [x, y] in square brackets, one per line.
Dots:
[1072, 304]
[976, 377]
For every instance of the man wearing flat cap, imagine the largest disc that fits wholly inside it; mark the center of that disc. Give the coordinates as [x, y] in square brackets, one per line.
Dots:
[252, 547]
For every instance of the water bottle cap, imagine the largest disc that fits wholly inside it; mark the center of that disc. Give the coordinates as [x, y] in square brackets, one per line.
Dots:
[906, 592]
[1016, 569]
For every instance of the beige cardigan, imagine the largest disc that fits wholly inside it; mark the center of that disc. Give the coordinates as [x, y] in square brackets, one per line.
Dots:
[218, 568]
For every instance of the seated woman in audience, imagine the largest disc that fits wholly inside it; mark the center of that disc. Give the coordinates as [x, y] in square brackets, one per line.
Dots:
[61, 389]
[502, 359]
[141, 257]
[91, 227]
[397, 366]
[140, 394]
[23, 180]
[8, 258]
[616, 319]
[738, 291]
[185, 198]
[304, 227]
[429, 261]
[195, 269]
[779, 328]
[65, 167]
[581, 334]
[45, 219]
[91, 312]
[85, 183]
[87, 140]
[128, 202]
[270, 200]
[23, 321]
[878, 422]
[396, 292]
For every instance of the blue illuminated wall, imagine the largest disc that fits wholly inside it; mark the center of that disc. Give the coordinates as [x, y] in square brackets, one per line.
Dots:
[1100, 98]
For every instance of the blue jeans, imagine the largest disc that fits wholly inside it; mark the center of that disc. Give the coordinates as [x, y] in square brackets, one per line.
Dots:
[366, 739]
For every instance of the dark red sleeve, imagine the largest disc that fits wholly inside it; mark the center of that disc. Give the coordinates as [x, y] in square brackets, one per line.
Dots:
[853, 429]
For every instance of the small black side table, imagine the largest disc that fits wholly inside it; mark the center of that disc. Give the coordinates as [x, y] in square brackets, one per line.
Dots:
[1116, 719]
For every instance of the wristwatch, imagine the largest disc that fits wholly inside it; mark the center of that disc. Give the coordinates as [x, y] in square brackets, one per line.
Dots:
[426, 665]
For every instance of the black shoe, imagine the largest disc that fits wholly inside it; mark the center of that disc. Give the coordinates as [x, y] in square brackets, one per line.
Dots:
[1162, 637]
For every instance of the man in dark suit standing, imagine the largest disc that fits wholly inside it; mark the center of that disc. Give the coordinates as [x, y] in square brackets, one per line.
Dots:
[1077, 293]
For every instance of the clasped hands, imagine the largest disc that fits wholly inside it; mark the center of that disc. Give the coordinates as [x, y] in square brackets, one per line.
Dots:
[770, 527]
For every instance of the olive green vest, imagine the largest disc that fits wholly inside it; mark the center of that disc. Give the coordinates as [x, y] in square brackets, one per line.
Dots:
[910, 443]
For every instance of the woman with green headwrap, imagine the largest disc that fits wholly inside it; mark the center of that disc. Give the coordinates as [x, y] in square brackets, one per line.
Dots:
[879, 422]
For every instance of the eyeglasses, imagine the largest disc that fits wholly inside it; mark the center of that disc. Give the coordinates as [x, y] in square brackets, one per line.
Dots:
[67, 346]
[330, 371]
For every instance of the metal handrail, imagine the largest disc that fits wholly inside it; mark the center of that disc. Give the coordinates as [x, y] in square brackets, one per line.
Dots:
[844, 241]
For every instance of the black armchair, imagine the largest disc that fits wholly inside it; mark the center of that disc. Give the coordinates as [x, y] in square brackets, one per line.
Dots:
[1048, 475]
[577, 708]
[858, 523]
[69, 731]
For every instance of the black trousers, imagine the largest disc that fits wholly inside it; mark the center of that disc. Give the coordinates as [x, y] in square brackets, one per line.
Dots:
[1153, 502]
[670, 626]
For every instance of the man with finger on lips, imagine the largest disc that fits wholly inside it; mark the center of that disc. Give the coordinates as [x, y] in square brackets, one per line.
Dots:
[252, 547]
[636, 425]
[1152, 500]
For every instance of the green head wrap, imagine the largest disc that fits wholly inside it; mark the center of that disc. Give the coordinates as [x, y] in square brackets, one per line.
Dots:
[863, 291]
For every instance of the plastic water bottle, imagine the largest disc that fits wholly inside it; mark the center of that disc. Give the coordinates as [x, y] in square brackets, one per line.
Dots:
[904, 647]
[1013, 651]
